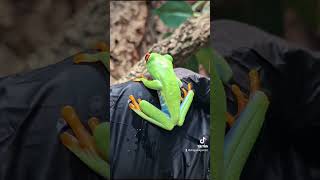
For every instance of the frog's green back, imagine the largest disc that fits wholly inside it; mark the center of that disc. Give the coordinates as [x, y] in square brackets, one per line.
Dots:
[160, 68]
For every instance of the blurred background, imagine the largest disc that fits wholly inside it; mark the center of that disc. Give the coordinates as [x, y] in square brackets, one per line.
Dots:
[297, 21]
[37, 33]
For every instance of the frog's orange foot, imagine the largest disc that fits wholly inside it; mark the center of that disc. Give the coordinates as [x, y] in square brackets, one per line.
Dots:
[89, 58]
[189, 87]
[230, 119]
[134, 105]
[138, 78]
[79, 58]
[102, 46]
[93, 122]
[82, 136]
[186, 92]
[241, 97]
[254, 81]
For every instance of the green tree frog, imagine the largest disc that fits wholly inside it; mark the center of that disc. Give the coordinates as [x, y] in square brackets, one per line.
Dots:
[174, 108]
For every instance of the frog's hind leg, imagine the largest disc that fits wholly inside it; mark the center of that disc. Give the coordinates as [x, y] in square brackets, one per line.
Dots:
[243, 134]
[151, 113]
[185, 105]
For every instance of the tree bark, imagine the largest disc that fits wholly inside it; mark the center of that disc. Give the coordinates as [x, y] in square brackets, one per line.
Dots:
[185, 40]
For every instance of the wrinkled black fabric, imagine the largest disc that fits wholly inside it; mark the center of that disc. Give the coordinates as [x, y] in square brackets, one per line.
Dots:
[287, 148]
[30, 106]
[143, 150]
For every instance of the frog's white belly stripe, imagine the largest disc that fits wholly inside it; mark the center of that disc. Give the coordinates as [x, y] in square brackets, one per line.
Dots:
[164, 107]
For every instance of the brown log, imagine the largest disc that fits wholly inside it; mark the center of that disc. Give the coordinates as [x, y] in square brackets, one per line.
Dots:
[184, 41]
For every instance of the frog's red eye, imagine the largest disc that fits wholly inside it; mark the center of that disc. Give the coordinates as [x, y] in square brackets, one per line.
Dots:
[146, 57]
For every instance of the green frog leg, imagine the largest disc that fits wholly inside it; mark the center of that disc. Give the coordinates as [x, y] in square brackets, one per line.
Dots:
[101, 56]
[244, 132]
[151, 84]
[185, 105]
[151, 113]
[101, 135]
[154, 115]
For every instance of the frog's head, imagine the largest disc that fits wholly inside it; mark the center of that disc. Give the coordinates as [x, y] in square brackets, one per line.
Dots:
[157, 62]
[151, 57]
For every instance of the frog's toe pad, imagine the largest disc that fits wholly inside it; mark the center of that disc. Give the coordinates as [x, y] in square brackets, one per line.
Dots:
[93, 123]
[134, 104]
[189, 86]
[254, 81]
[136, 79]
[185, 93]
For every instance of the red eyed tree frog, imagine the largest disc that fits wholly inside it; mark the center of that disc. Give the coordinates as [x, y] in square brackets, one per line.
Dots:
[174, 108]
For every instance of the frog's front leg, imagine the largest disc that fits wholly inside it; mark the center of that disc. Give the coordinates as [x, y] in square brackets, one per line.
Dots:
[102, 55]
[185, 105]
[151, 84]
[151, 113]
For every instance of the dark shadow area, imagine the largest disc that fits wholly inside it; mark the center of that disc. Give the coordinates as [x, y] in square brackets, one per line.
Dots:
[295, 21]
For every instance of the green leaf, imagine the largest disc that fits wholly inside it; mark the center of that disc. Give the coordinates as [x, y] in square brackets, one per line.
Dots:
[191, 63]
[218, 110]
[174, 13]
[204, 57]
[222, 67]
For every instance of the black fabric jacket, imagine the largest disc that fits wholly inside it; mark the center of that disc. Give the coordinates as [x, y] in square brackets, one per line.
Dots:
[30, 105]
[288, 146]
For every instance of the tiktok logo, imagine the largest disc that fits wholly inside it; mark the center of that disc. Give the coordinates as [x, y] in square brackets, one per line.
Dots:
[203, 140]
[203, 143]
[202, 146]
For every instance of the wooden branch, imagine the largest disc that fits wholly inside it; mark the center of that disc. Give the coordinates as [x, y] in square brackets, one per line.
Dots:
[185, 40]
